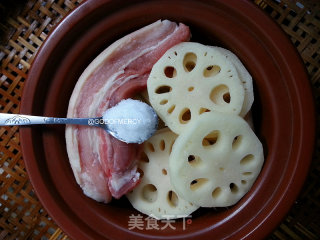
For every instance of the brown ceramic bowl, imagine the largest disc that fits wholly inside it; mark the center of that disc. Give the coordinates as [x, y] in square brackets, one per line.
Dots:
[283, 116]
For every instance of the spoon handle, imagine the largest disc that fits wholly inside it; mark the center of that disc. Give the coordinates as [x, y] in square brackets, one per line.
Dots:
[7, 119]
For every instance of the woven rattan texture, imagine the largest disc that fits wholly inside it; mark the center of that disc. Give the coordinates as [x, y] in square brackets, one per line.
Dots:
[24, 25]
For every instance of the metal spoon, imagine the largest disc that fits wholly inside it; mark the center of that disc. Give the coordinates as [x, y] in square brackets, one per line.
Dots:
[7, 119]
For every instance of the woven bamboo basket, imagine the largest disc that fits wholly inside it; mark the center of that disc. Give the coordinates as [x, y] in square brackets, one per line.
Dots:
[24, 25]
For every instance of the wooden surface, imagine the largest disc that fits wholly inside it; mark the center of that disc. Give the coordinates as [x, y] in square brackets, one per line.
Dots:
[24, 25]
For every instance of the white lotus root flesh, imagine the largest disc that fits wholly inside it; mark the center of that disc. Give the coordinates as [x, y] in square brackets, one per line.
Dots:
[190, 79]
[155, 195]
[245, 79]
[216, 160]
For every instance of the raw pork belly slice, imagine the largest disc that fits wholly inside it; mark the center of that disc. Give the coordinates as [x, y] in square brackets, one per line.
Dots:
[103, 166]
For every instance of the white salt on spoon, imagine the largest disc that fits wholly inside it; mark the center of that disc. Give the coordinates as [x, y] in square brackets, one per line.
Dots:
[131, 121]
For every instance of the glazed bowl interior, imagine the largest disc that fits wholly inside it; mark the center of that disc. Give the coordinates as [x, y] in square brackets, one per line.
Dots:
[281, 91]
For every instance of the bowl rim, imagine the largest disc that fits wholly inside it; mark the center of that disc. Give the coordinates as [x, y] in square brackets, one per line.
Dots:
[249, 11]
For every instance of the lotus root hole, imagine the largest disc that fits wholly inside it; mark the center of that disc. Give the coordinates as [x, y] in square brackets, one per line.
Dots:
[189, 62]
[171, 109]
[216, 192]
[211, 71]
[162, 145]
[144, 157]
[226, 97]
[220, 95]
[163, 102]
[190, 89]
[247, 159]
[149, 193]
[150, 147]
[185, 116]
[141, 173]
[197, 183]
[163, 89]
[246, 173]
[173, 199]
[243, 182]
[170, 72]
[236, 142]
[164, 171]
[203, 110]
[211, 138]
[233, 188]
[194, 160]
